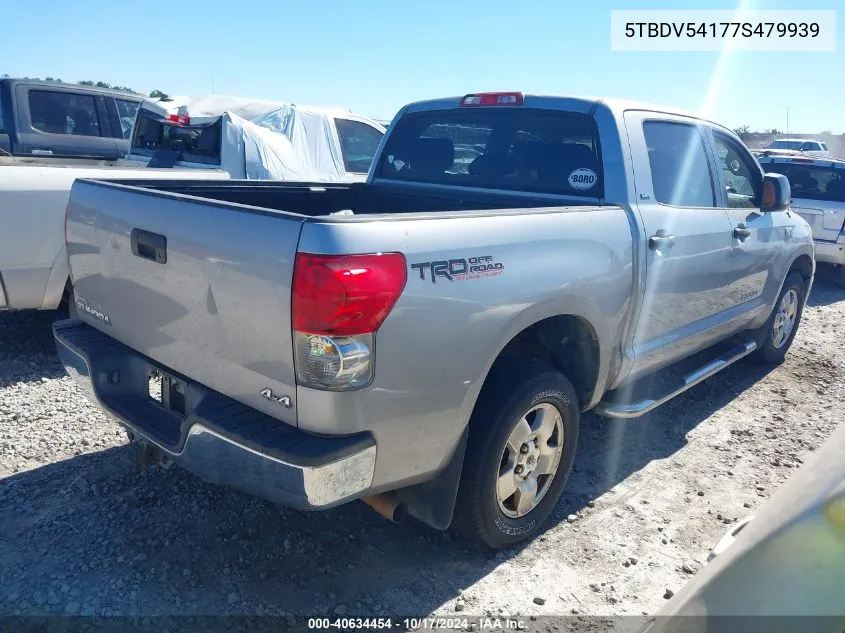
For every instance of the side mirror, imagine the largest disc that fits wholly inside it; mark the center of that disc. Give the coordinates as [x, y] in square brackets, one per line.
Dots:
[776, 193]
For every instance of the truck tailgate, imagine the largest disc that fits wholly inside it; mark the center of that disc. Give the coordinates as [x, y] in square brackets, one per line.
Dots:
[202, 288]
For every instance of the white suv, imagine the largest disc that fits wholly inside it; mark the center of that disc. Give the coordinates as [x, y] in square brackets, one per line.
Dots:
[818, 195]
[807, 146]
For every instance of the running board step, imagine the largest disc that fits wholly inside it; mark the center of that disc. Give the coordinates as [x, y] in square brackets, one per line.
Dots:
[613, 409]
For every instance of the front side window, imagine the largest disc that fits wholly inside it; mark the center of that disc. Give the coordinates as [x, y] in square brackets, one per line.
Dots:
[742, 177]
[514, 149]
[680, 172]
[126, 111]
[358, 143]
[63, 113]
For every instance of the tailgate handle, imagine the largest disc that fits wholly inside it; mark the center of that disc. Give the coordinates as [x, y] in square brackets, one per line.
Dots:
[150, 246]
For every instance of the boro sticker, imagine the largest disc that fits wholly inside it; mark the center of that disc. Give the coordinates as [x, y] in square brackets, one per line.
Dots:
[582, 178]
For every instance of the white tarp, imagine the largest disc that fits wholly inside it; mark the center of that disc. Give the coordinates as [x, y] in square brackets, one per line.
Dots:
[267, 140]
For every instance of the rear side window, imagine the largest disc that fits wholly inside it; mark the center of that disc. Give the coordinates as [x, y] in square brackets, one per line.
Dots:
[812, 182]
[542, 151]
[824, 146]
[126, 111]
[680, 171]
[358, 142]
[2, 127]
[63, 113]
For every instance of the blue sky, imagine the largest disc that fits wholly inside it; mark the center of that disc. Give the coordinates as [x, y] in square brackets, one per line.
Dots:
[373, 56]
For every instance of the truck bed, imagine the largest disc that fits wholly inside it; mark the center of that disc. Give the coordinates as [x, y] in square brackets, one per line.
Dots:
[322, 199]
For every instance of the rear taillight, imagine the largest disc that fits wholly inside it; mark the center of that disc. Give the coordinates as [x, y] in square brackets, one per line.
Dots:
[338, 303]
[493, 98]
[179, 119]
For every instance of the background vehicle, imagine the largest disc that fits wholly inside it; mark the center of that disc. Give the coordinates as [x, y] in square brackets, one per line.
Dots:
[255, 139]
[33, 197]
[432, 349]
[810, 147]
[818, 195]
[48, 118]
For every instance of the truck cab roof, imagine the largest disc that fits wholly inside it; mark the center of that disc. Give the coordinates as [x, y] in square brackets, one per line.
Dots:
[570, 103]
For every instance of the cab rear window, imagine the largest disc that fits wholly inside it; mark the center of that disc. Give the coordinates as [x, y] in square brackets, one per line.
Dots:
[519, 149]
[192, 144]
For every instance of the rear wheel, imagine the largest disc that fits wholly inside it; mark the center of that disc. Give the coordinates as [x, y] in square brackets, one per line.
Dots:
[522, 441]
[783, 323]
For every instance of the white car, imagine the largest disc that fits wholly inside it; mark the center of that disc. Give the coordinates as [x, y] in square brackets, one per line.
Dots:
[811, 147]
[818, 195]
[33, 196]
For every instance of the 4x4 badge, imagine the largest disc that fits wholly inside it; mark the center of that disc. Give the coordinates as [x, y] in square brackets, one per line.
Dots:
[282, 400]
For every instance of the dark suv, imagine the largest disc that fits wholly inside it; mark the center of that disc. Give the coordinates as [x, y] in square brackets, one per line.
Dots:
[48, 118]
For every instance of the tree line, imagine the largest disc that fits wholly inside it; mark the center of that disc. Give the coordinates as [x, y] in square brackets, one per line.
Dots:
[155, 94]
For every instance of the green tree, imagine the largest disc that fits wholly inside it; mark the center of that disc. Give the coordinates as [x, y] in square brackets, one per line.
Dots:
[157, 94]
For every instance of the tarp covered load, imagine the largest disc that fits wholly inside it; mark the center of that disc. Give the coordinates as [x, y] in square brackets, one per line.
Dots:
[261, 140]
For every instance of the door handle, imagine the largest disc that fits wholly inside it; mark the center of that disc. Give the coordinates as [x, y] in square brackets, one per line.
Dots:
[660, 240]
[741, 233]
[150, 246]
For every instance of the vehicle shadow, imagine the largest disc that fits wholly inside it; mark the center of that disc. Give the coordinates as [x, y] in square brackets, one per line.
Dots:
[825, 290]
[98, 535]
[27, 348]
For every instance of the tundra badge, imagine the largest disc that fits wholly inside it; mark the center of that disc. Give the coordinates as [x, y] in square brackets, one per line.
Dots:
[83, 306]
[283, 400]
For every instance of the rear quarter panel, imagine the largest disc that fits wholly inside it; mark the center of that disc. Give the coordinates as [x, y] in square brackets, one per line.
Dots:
[436, 347]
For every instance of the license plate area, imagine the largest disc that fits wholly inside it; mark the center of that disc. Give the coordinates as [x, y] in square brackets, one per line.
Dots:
[166, 391]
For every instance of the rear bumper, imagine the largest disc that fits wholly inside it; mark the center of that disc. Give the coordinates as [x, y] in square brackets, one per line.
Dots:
[217, 438]
[831, 252]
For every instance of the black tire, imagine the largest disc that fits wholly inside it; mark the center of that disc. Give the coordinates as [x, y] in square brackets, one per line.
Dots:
[506, 397]
[767, 353]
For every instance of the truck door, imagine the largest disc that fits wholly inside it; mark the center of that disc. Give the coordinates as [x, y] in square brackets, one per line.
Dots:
[688, 241]
[61, 121]
[756, 257]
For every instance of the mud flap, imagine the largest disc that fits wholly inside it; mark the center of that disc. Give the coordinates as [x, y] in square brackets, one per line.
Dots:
[433, 502]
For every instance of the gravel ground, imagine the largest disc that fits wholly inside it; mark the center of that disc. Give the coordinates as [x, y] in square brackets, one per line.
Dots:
[82, 531]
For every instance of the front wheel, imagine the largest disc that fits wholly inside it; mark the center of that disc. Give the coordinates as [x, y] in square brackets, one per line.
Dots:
[783, 323]
[522, 440]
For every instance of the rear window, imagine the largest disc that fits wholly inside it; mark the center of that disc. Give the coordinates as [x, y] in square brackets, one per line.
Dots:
[63, 113]
[126, 111]
[812, 182]
[192, 144]
[540, 151]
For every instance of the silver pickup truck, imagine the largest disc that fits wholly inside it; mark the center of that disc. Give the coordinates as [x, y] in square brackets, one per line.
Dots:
[428, 340]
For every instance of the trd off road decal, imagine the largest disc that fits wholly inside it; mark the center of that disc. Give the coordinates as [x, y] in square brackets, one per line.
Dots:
[459, 269]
